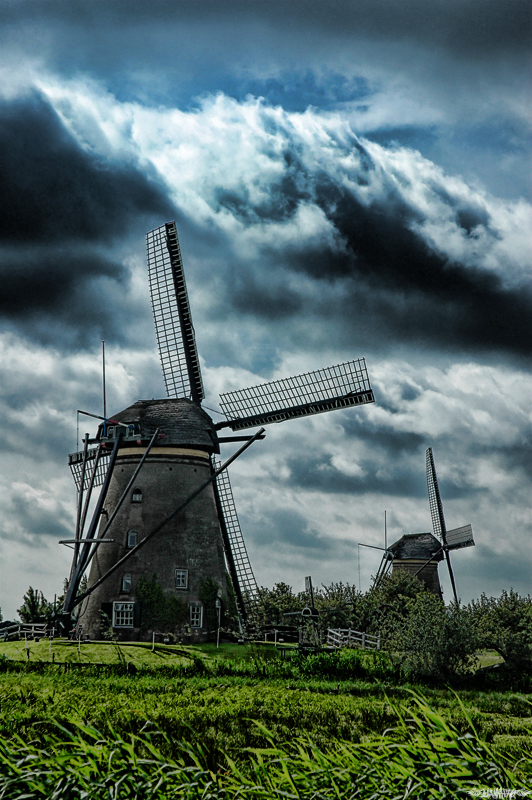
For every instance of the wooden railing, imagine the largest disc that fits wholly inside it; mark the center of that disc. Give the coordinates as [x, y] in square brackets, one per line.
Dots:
[20, 628]
[347, 637]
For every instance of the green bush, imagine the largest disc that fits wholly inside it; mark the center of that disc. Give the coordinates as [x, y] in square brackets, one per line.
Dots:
[504, 624]
[434, 641]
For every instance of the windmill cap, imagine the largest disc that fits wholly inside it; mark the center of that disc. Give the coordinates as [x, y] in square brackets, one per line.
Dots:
[180, 421]
[416, 545]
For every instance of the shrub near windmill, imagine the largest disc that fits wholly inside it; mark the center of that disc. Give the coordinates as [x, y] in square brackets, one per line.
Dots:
[165, 507]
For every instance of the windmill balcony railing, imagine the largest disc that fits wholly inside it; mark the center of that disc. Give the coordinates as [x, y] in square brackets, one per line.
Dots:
[347, 637]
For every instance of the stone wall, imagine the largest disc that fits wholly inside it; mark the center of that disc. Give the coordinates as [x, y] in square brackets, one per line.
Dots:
[191, 541]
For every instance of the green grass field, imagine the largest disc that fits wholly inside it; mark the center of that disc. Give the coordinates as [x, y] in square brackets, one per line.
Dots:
[138, 653]
[197, 717]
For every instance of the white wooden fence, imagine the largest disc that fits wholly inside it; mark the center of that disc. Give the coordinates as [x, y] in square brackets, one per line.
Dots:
[347, 637]
[18, 630]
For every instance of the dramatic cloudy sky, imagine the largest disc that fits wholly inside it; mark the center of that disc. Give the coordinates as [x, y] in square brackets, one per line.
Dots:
[349, 179]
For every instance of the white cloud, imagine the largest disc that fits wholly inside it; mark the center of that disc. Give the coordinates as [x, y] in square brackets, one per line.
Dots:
[237, 147]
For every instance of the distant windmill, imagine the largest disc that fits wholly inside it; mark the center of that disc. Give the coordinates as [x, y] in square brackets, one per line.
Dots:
[166, 506]
[419, 553]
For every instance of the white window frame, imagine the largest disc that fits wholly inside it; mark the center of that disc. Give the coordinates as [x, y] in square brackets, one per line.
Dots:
[136, 496]
[196, 615]
[182, 583]
[126, 582]
[123, 615]
[128, 545]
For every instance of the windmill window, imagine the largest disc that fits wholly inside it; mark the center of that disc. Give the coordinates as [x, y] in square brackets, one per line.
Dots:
[132, 538]
[136, 497]
[123, 615]
[181, 578]
[196, 615]
[126, 582]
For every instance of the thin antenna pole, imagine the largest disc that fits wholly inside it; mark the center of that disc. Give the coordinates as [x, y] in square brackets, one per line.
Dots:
[103, 380]
[359, 584]
[385, 532]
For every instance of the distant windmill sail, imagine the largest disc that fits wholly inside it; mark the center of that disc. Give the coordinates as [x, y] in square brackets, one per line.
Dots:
[435, 503]
[460, 537]
[171, 312]
[336, 387]
[451, 540]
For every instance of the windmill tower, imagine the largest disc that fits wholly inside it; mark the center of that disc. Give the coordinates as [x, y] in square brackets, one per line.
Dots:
[165, 507]
[420, 553]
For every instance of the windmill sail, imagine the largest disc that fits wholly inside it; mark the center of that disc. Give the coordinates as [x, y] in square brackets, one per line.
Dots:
[340, 386]
[171, 312]
[438, 520]
[239, 564]
[75, 462]
[460, 537]
[436, 507]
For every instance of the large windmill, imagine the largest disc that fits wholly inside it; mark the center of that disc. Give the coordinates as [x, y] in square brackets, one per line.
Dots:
[420, 553]
[165, 507]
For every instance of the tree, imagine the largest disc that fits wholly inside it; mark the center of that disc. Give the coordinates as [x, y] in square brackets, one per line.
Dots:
[434, 641]
[273, 603]
[504, 624]
[382, 611]
[35, 607]
[336, 604]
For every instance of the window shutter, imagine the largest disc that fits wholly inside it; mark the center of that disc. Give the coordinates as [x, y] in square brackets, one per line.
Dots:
[136, 615]
[107, 608]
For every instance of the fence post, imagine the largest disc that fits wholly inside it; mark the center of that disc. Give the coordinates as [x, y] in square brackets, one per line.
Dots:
[379, 642]
[363, 641]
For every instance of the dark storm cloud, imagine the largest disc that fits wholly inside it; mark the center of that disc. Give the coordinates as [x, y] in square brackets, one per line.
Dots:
[48, 281]
[51, 190]
[478, 28]
[60, 204]
[270, 302]
[34, 519]
[377, 475]
[508, 570]
[290, 527]
[395, 285]
[63, 297]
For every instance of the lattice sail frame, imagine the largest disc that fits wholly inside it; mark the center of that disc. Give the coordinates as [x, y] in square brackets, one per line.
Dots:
[339, 386]
[436, 507]
[244, 571]
[75, 462]
[460, 537]
[171, 312]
